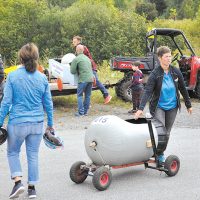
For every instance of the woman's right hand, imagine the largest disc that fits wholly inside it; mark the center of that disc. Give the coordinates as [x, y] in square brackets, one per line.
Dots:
[189, 110]
[50, 129]
[137, 114]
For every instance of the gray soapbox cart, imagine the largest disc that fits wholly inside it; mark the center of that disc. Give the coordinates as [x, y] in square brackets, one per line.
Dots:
[113, 143]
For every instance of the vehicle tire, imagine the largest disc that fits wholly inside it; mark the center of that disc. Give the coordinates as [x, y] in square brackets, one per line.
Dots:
[172, 164]
[77, 174]
[102, 178]
[117, 88]
[123, 89]
[197, 89]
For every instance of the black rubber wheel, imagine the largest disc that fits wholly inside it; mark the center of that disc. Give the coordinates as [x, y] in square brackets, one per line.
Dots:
[197, 89]
[77, 174]
[102, 178]
[123, 89]
[117, 88]
[172, 164]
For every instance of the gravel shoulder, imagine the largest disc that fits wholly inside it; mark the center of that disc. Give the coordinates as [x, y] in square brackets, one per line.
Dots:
[64, 118]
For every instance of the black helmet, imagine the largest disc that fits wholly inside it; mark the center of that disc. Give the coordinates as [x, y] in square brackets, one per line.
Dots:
[3, 135]
[51, 140]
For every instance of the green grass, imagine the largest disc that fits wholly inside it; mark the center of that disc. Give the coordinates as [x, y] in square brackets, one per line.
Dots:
[70, 101]
[106, 75]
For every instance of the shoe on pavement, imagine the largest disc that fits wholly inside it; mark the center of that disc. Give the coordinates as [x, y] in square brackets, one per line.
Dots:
[31, 193]
[77, 114]
[17, 190]
[107, 99]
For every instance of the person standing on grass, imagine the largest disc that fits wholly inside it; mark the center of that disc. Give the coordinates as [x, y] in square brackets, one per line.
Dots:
[162, 89]
[78, 40]
[136, 86]
[27, 93]
[81, 65]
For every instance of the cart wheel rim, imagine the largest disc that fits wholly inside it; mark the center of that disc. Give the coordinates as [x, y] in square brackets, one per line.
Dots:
[174, 165]
[104, 178]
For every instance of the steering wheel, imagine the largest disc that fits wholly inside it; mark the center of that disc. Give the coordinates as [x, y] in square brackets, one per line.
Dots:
[175, 57]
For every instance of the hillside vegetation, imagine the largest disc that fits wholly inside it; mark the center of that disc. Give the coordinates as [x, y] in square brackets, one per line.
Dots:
[108, 27]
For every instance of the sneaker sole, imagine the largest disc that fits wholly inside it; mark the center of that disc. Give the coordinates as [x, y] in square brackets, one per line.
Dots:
[32, 196]
[17, 193]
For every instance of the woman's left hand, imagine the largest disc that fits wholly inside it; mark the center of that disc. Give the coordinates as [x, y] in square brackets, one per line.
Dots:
[189, 110]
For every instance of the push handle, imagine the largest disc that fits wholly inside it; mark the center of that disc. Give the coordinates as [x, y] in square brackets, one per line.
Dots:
[149, 118]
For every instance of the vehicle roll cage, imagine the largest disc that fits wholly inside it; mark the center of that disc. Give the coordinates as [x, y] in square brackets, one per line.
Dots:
[172, 33]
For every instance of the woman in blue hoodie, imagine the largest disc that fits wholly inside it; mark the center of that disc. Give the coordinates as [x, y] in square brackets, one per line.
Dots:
[26, 96]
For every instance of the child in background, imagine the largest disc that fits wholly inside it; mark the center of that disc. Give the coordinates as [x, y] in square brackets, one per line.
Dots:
[136, 86]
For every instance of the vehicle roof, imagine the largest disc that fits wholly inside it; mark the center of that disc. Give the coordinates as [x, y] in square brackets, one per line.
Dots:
[164, 31]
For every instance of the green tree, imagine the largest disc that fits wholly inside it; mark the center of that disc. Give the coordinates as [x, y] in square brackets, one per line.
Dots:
[121, 4]
[160, 6]
[18, 24]
[105, 30]
[51, 33]
[61, 3]
[188, 9]
[184, 8]
[148, 10]
[173, 13]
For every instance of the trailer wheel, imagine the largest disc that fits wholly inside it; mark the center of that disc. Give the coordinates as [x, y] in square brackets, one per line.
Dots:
[172, 164]
[78, 174]
[102, 178]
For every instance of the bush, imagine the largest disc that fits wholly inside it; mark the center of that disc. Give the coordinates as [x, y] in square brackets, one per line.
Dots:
[105, 30]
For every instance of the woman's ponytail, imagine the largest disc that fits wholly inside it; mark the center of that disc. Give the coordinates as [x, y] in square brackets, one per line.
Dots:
[29, 56]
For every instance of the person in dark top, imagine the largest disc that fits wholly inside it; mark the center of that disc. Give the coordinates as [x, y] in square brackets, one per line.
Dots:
[162, 90]
[1, 78]
[136, 86]
[78, 40]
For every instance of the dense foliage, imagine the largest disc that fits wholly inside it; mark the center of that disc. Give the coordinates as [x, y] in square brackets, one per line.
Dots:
[105, 29]
[108, 27]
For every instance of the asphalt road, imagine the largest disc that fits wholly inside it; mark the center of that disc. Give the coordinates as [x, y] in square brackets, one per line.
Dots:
[133, 183]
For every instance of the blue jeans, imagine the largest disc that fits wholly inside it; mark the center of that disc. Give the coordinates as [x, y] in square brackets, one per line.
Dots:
[32, 134]
[99, 85]
[86, 89]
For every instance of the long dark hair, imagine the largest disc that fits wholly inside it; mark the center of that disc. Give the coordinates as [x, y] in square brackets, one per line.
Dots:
[29, 56]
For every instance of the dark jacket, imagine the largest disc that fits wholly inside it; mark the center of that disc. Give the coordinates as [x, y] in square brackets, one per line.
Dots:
[154, 85]
[88, 54]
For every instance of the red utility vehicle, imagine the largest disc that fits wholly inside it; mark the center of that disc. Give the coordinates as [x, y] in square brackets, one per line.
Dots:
[184, 58]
